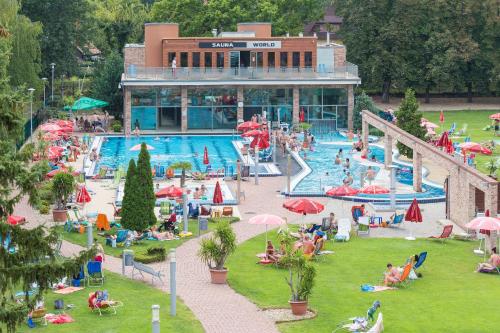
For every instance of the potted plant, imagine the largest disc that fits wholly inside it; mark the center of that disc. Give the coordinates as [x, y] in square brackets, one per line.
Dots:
[300, 279]
[215, 250]
[63, 185]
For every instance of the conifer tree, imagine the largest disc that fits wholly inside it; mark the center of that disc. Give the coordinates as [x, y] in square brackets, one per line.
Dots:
[131, 200]
[145, 187]
[408, 119]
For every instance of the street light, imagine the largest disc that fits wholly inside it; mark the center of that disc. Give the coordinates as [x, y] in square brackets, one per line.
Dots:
[44, 80]
[62, 86]
[52, 65]
[31, 90]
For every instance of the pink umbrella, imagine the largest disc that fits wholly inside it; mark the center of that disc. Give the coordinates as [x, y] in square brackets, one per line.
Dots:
[138, 147]
[49, 127]
[484, 223]
[374, 189]
[430, 125]
[495, 116]
[64, 123]
[341, 191]
[51, 136]
[430, 131]
[475, 148]
[267, 219]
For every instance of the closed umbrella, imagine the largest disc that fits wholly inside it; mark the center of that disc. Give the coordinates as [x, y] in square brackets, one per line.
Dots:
[344, 190]
[441, 117]
[413, 214]
[443, 140]
[83, 195]
[247, 125]
[217, 199]
[138, 147]
[495, 116]
[171, 191]
[450, 149]
[374, 189]
[267, 219]
[302, 115]
[205, 156]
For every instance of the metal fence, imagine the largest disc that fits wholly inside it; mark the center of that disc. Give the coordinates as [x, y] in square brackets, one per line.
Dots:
[37, 120]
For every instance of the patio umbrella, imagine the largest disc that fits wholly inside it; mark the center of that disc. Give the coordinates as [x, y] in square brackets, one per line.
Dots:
[344, 190]
[267, 219]
[252, 133]
[87, 103]
[171, 191]
[428, 124]
[475, 148]
[138, 147]
[374, 189]
[50, 127]
[441, 117]
[495, 116]
[450, 149]
[49, 136]
[413, 214]
[303, 206]
[484, 223]
[261, 142]
[247, 125]
[217, 199]
[205, 156]
[443, 140]
[64, 123]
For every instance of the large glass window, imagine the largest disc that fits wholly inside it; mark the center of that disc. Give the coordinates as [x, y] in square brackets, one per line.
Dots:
[196, 59]
[143, 117]
[296, 59]
[308, 59]
[324, 104]
[143, 97]
[220, 59]
[208, 59]
[284, 59]
[274, 102]
[212, 108]
[170, 96]
[271, 62]
[184, 59]
[334, 96]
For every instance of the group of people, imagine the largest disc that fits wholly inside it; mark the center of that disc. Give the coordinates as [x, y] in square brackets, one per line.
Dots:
[93, 123]
[290, 141]
[200, 192]
[393, 274]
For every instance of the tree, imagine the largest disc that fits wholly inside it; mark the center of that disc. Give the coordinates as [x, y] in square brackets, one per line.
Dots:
[187, 13]
[408, 118]
[362, 102]
[33, 259]
[183, 166]
[131, 218]
[106, 81]
[65, 26]
[145, 187]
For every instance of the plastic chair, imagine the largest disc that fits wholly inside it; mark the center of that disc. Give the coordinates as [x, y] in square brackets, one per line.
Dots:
[95, 274]
[102, 222]
[445, 234]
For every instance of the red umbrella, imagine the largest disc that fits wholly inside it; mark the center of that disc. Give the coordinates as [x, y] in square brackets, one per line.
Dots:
[83, 195]
[495, 116]
[170, 192]
[443, 140]
[450, 149]
[252, 133]
[218, 199]
[49, 127]
[341, 191]
[15, 220]
[247, 125]
[374, 189]
[64, 123]
[475, 148]
[261, 142]
[303, 206]
[302, 115]
[413, 213]
[205, 156]
[51, 136]
[441, 117]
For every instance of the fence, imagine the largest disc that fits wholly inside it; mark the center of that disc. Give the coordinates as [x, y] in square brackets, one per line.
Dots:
[321, 127]
[37, 120]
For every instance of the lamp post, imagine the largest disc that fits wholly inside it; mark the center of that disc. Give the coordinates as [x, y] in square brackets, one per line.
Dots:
[62, 87]
[31, 90]
[155, 318]
[52, 66]
[44, 80]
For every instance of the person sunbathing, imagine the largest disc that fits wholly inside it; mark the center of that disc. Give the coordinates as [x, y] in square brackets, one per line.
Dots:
[492, 263]
[392, 275]
[271, 253]
[161, 235]
[308, 245]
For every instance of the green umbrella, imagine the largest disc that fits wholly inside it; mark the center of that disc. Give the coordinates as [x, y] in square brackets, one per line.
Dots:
[87, 103]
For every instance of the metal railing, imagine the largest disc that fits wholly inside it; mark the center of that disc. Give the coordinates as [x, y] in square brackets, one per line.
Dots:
[134, 72]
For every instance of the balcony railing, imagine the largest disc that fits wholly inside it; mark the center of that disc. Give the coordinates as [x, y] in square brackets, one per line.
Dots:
[133, 72]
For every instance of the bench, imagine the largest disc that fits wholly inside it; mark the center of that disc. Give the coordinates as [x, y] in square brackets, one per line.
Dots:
[140, 267]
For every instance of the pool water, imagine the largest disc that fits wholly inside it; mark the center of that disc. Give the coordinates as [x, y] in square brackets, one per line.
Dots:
[115, 151]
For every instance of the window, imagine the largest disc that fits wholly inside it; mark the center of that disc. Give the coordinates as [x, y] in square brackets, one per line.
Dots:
[171, 56]
[196, 59]
[184, 59]
[208, 59]
[284, 59]
[270, 59]
[308, 59]
[296, 59]
[260, 61]
[220, 59]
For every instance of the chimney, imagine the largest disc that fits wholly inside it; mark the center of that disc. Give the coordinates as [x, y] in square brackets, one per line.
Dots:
[214, 32]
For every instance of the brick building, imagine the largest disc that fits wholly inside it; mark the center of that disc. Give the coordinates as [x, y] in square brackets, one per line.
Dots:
[174, 83]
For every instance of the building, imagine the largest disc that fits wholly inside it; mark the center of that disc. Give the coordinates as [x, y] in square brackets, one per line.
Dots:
[181, 84]
[327, 27]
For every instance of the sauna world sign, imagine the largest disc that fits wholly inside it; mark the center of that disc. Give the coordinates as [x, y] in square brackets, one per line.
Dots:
[240, 45]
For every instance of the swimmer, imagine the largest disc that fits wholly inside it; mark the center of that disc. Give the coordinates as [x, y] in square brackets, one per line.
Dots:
[340, 152]
[338, 160]
[347, 164]
[157, 138]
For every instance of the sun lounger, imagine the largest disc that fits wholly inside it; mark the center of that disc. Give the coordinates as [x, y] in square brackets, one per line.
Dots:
[421, 258]
[344, 230]
[396, 220]
[364, 226]
[445, 234]
[379, 325]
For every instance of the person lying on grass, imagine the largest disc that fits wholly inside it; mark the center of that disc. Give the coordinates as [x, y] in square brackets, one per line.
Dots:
[492, 264]
[392, 276]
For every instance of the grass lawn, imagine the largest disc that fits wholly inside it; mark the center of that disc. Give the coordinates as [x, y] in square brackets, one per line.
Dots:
[476, 120]
[139, 248]
[134, 316]
[449, 298]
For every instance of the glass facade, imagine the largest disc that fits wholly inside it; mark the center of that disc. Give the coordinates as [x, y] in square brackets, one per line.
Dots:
[324, 103]
[274, 103]
[153, 108]
[212, 108]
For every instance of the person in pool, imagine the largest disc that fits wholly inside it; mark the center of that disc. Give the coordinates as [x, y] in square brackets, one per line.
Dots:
[348, 180]
[338, 160]
[347, 164]
[340, 152]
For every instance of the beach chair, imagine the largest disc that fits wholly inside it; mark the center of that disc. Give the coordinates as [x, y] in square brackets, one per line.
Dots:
[326, 226]
[396, 220]
[463, 131]
[121, 237]
[102, 222]
[379, 325]
[452, 129]
[403, 280]
[344, 230]
[364, 226]
[117, 175]
[37, 316]
[227, 211]
[101, 174]
[98, 301]
[445, 234]
[165, 209]
[95, 274]
[421, 258]
[356, 212]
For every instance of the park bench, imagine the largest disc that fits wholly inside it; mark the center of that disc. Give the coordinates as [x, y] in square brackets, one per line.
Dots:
[141, 268]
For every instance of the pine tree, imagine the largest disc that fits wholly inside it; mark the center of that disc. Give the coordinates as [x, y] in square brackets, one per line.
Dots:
[145, 188]
[130, 199]
[408, 119]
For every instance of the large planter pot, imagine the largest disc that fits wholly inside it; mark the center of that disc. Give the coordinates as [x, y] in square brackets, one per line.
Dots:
[218, 276]
[299, 308]
[59, 215]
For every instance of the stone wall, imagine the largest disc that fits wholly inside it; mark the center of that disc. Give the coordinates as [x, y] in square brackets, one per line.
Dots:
[133, 54]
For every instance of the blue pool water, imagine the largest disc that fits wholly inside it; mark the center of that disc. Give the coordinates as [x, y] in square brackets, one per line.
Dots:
[115, 151]
[326, 173]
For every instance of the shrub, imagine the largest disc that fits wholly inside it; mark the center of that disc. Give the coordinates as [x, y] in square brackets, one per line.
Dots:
[214, 251]
[44, 207]
[63, 185]
[409, 118]
[224, 219]
[46, 192]
[153, 254]
[117, 127]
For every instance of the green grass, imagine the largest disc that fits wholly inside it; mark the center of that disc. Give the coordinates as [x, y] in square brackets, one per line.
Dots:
[134, 316]
[476, 120]
[138, 248]
[449, 298]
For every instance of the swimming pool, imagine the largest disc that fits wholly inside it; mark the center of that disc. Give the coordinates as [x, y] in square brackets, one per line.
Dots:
[116, 151]
[325, 174]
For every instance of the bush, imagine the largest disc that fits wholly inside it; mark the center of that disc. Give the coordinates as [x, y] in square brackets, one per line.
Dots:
[224, 219]
[44, 207]
[117, 127]
[63, 184]
[153, 254]
[46, 192]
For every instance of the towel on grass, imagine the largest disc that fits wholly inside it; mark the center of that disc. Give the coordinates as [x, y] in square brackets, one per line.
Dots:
[58, 318]
[374, 289]
[67, 290]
